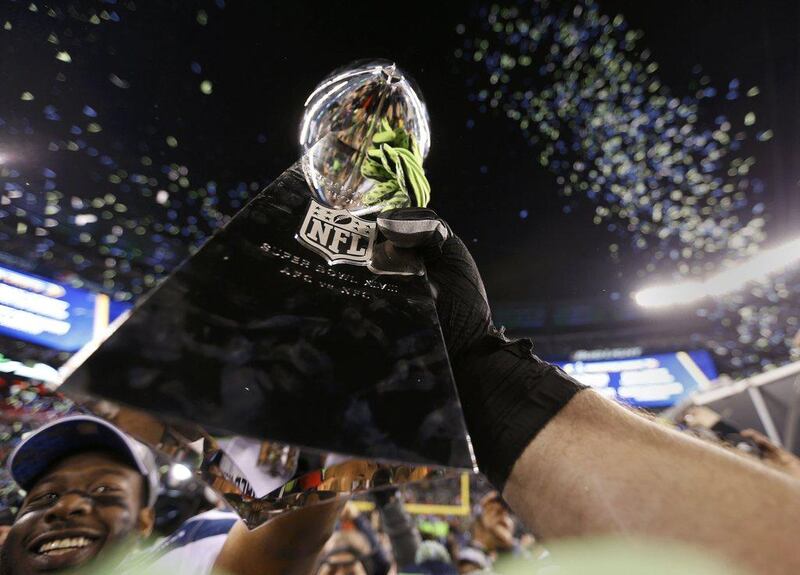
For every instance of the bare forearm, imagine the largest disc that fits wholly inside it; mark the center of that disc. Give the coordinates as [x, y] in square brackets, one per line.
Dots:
[288, 544]
[598, 469]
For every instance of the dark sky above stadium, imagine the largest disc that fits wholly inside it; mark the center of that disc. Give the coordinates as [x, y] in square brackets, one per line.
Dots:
[581, 149]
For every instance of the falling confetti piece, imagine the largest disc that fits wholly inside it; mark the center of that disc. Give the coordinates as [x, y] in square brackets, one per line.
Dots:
[206, 87]
[26, 97]
[766, 135]
[118, 82]
[63, 57]
[172, 142]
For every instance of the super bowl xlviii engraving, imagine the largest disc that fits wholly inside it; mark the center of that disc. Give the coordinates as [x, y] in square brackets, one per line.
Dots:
[337, 235]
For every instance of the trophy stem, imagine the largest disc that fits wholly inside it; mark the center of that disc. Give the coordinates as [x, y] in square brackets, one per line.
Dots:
[366, 211]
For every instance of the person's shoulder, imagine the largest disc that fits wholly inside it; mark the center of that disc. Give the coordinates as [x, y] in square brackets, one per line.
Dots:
[208, 524]
[194, 546]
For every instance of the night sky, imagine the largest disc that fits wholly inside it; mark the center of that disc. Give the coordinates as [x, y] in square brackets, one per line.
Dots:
[130, 131]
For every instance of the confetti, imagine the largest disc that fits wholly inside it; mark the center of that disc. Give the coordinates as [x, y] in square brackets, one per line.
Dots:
[673, 182]
[79, 202]
[667, 177]
[118, 82]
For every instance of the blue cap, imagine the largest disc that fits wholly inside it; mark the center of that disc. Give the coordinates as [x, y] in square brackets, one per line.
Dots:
[50, 443]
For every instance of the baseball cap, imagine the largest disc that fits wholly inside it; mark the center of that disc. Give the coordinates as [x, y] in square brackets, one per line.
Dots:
[52, 442]
[475, 556]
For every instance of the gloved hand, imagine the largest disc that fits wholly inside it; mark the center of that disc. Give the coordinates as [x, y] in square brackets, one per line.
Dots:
[460, 296]
[507, 393]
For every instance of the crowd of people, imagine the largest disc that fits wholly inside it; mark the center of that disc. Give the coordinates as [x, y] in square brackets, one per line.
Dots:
[91, 494]
[92, 489]
[389, 540]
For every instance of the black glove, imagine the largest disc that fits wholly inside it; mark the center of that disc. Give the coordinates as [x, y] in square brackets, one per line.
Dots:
[507, 393]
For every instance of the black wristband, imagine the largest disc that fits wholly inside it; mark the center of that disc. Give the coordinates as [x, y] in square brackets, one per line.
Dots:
[508, 396]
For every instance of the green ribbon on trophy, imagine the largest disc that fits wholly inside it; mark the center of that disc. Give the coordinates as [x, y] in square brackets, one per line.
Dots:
[395, 162]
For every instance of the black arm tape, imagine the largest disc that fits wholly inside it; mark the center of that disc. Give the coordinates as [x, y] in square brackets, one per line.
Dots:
[509, 395]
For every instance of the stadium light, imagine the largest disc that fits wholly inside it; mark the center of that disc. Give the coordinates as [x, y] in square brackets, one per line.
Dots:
[730, 280]
[179, 473]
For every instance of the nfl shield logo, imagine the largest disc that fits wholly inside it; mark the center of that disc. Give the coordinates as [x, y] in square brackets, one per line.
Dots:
[337, 235]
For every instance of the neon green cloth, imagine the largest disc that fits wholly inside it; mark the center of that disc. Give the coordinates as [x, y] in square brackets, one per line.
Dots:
[395, 163]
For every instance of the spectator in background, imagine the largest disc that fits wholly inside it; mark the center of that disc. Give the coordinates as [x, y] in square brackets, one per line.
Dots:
[356, 539]
[432, 558]
[347, 552]
[398, 525]
[411, 554]
[707, 424]
[472, 560]
[772, 455]
[491, 534]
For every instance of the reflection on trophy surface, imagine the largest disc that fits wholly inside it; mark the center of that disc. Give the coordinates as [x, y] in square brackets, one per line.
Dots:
[352, 104]
[262, 479]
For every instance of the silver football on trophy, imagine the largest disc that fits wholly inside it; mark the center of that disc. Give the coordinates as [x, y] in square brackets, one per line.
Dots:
[341, 117]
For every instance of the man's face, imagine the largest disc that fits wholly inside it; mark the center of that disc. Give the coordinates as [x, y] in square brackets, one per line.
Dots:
[344, 563]
[85, 503]
[498, 522]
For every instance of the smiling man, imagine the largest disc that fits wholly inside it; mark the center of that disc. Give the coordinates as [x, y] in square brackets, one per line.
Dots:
[89, 489]
[90, 496]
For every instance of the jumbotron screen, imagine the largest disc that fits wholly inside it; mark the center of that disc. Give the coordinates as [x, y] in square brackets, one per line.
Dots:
[52, 314]
[652, 381]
